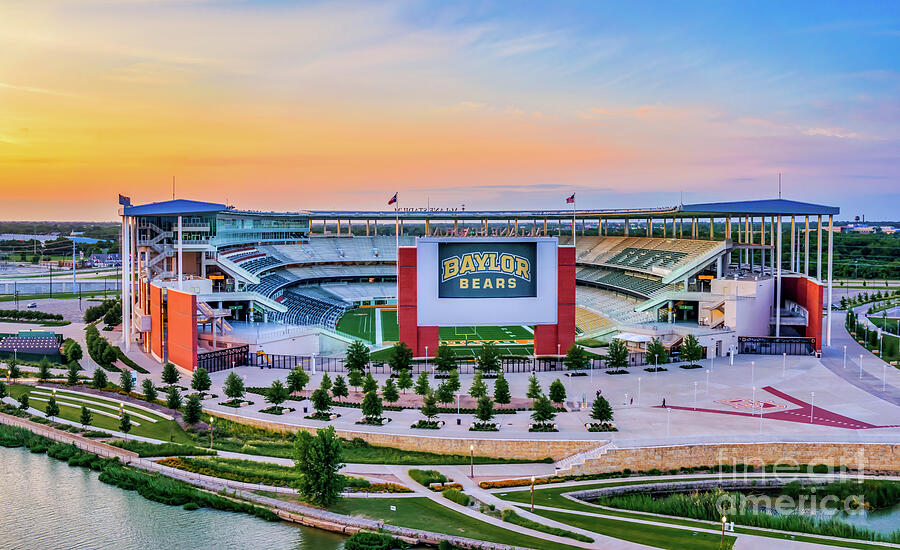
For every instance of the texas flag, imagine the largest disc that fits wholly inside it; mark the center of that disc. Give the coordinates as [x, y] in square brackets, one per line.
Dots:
[571, 200]
[393, 199]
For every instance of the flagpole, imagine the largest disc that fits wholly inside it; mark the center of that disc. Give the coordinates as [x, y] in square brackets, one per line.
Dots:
[573, 222]
[397, 223]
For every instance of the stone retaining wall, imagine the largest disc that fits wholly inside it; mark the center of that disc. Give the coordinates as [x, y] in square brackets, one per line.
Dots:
[868, 456]
[522, 449]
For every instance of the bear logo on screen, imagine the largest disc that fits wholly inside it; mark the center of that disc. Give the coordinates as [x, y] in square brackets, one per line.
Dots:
[491, 263]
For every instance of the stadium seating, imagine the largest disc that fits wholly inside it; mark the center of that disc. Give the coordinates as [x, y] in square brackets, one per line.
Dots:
[312, 306]
[642, 286]
[341, 249]
[650, 255]
[590, 323]
[360, 292]
[257, 265]
[269, 284]
[616, 307]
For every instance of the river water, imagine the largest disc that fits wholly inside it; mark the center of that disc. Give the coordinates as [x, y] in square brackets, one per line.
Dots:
[46, 504]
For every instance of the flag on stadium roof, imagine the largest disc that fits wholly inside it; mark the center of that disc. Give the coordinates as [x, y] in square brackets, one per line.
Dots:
[571, 200]
[393, 199]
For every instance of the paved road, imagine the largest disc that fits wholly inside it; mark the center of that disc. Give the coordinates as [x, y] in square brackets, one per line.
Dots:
[833, 359]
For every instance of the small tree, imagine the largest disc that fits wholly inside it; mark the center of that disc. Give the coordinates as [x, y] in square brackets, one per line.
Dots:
[372, 407]
[339, 388]
[193, 409]
[544, 411]
[23, 401]
[200, 381]
[110, 355]
[444, 393]
[149, 390]
[52, 408]
[297, 380]
[325, 384]
[234, 386]
[73, 351]
[429, 406]
[86, 417]
[576, 358]
[557, 392]
[277, 393]
[355, 378]
[99, 380]
[617, 355]
[72, 373]
[170, 374]
[369, 384]
[124, 423]
[14, 371]
[173, 398]
[401, 357]
[126, 382]
[444, 359]
[478, 389]
[534, 387]
[321, 402]
[452, 381]
[690, 349]
[3, 390]
[318, 460]
[389, 391]
[43, 369]
[422, 386]
[404, 380]
[501, 390]
[357, 356]
[485, 410]
[601, 411]
[489, 358]
[656, 352]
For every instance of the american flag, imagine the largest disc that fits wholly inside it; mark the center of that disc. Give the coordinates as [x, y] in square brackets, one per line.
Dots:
[571, 200]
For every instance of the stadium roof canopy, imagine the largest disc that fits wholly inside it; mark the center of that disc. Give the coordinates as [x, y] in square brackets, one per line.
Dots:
[769, 207]
[173, 208]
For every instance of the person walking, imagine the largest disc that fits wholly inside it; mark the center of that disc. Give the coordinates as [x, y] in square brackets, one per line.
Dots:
[664, 402]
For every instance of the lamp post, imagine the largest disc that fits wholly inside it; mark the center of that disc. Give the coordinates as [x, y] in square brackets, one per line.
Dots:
[845, 357]
[783, 363]
[695, 395]
[211, 421]
[860, 366]
[668, 415]
[472, 461]
[752, 372]
[724, 520]
[532, 494]
[812, 405]
[426, 358]
[314, 363]
[707, 381]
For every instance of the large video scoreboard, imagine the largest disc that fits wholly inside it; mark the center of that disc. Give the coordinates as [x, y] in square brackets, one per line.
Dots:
[486, 281]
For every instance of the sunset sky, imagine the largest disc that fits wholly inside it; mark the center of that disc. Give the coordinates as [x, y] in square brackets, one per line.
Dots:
[286, 105]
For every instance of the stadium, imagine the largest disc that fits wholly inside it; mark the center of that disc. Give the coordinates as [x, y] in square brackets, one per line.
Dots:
[202, 280]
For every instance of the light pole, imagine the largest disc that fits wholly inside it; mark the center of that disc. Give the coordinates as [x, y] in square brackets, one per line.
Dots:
[472, 461]
[707, 381]
[783, 363]
[695, 395]
[812, 405]
[212, 419]
[532, 494]
[845, 357]
[860, 366]
[314, 363]
[668, 415]
[426, 358]
[752, 372]
[722, 543]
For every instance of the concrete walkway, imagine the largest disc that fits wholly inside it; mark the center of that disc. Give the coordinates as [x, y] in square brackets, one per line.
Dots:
[875, 374]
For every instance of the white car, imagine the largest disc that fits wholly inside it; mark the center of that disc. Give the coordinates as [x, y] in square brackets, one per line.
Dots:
[32, 305]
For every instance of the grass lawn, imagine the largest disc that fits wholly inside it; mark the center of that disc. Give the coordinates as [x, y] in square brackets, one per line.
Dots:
[651, 535]
[58, 295]
[359, 323]
[165, 430]
[422, 513]
[390, 330]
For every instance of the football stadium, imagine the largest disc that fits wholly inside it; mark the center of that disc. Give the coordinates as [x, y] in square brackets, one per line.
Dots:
[203, 280]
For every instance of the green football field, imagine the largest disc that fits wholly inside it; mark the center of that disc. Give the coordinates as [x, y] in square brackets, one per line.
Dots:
[360, 323]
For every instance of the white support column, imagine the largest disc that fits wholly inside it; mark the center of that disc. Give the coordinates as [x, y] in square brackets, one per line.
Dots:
[125, 249]
[793, 220]
[806, 250]
[367, 228]
[830, 267]
[627, 223]
[180, 255]
[778, 282]
[750, 241]
[819, 251]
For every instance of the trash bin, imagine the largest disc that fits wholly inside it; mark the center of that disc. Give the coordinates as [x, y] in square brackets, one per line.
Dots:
[304, 410]
[459, 421]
